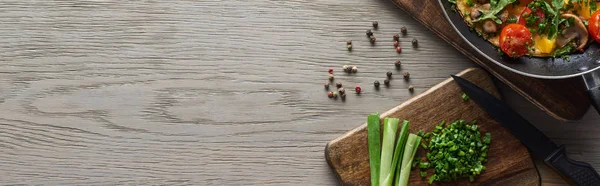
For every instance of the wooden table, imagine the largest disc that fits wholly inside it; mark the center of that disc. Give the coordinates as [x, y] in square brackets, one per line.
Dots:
[208, 92]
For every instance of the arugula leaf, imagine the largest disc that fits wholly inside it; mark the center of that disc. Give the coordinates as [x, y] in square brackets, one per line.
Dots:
[556, 20]
[495, 7]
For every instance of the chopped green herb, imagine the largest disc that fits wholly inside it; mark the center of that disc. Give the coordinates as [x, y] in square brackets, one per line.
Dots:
[470, 3]
[563, 51]
[465, 97]
[456, 151]
[423, 174]
[512, 18]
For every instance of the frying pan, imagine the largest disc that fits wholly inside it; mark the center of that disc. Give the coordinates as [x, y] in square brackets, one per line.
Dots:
[581, 64]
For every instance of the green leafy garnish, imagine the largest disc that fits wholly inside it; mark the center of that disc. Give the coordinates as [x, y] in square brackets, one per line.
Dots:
[495, 7]
[465, 97]
[553, 10]
[456, 151]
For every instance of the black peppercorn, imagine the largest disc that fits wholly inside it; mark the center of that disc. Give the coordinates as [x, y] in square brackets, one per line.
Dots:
[415, 43]
[396, 37]
[375, 24]
[349, 42]
[389, 74]
[341, 91]
[403, 30]
[372, 39]
[398, 64]
[343, 96]
[386, 82]
[338, 85]
[326, 86]
[406, 75]
[369, 33]
[376, 83]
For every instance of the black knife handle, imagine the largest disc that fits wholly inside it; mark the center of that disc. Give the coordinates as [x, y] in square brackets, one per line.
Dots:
[575, 172]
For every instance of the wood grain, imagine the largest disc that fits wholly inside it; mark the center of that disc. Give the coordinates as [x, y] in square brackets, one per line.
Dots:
[508, 163]
[156, 92]
[564, 99]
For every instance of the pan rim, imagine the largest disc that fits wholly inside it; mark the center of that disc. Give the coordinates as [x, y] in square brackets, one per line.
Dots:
[446, 15]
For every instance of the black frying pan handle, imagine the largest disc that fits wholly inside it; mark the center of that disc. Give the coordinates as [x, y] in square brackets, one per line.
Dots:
[595, 97]
[592, 81]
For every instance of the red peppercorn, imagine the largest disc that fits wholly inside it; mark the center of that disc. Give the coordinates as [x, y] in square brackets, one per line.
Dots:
[395, 43]
[330, 94]
[326, 86]
[338, 85]
[398, 49]
[330, 71]
[357, 89]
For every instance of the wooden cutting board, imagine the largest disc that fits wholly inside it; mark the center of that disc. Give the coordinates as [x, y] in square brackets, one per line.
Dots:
[564, 99]
[508, 163]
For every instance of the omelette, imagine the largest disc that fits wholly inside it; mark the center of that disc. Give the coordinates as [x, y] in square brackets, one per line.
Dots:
[539, 28]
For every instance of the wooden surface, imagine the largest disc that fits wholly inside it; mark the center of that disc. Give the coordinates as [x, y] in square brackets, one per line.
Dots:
[509, 162]
[565, 99]
[207, 92]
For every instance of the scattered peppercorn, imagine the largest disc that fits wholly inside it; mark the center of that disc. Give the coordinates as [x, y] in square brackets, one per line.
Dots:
[389, 74]
[330, 94]
[349, 42]
[346, 68]
[386, 82]
[396, 37]
[415, 43]
[398, 49]
[372, 39]
[411, 88]
[330, 71]
[326, 86]
[341, 91]
[338, 85]
[398, 64]
[406, 75]
[403, 30]
[357, 89]
[369, 33]
[395, 43]
[354, 69]
[330, 77]
[343, 96]
[349, 47]
[335, 94]
[375, 24]
[376, 83]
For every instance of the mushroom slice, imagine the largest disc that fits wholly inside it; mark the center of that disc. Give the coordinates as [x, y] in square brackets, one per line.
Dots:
[576, 32]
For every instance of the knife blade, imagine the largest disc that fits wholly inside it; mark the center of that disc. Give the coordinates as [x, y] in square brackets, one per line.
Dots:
[575, 172]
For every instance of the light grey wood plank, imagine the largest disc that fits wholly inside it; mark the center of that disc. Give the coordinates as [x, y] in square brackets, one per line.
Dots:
[200, 92]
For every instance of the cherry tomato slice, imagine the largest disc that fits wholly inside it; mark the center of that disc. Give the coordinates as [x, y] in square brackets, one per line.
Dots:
[514, 40]
[527, 11]
[594, 26]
